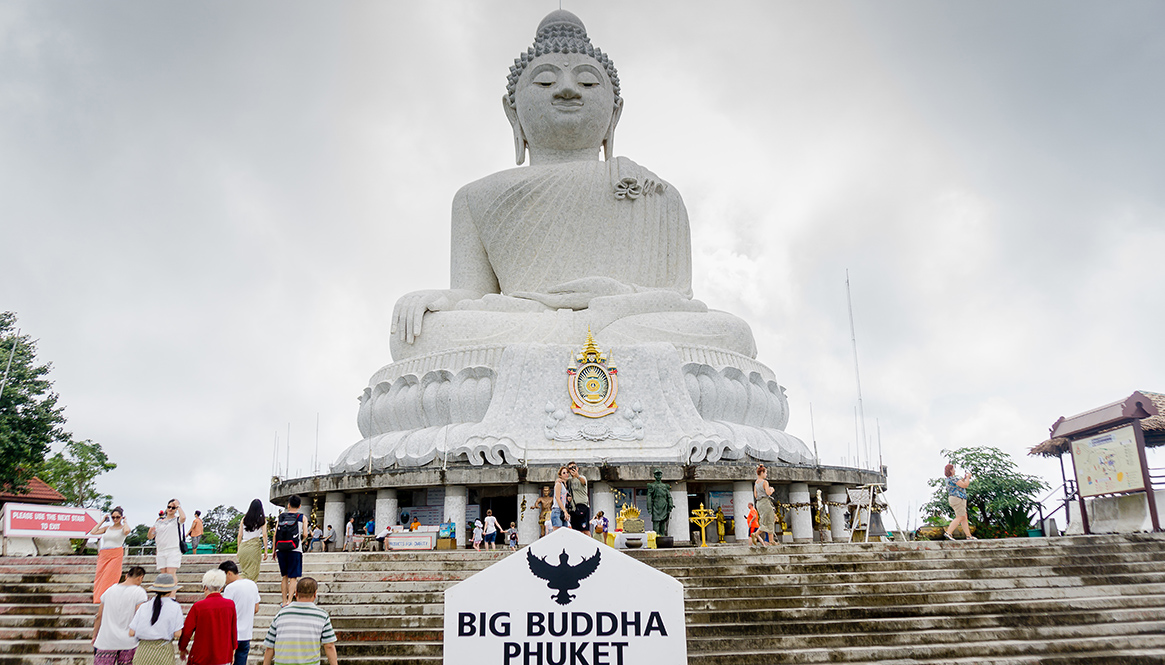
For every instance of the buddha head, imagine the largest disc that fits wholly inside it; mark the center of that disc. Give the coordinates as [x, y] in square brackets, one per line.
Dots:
[562, 94]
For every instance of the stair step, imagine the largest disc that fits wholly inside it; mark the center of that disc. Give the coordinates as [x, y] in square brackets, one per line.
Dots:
[1053, 601]
[938, 653]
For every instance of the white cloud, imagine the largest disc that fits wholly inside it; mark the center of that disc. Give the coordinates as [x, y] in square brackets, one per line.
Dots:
[208, 213]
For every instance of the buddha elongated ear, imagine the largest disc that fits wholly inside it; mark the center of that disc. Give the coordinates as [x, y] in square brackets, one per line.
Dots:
[519, 135]
[609, 139]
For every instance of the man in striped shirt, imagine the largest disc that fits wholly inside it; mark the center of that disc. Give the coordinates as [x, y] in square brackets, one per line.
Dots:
[299, 629]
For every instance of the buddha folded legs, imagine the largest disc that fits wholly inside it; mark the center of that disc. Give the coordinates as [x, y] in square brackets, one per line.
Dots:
[658, 316]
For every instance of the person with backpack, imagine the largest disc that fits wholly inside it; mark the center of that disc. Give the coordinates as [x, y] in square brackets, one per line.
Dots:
[288, 552]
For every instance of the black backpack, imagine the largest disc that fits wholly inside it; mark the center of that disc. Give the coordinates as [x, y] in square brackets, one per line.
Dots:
[287, 531]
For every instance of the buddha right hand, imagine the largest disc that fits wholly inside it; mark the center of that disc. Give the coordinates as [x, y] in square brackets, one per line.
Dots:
[409, 312]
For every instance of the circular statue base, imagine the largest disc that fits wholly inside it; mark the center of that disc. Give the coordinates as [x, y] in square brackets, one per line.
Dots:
[512, 405]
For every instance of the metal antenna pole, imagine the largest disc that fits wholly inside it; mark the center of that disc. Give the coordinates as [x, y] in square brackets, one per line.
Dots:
[813, 432]
[857, 373]
[857, 441]
[878, 425]
[315, 465]
[287, 458]
[11, 353]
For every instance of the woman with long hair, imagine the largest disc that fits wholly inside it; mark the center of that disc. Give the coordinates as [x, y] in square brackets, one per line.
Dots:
[253, 542]
[957, 498]
[762, 494]
[559, 516]
[110, 552]
[157, 624]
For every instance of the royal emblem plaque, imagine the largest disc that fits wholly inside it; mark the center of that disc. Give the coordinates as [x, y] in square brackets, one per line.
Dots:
[593, 381]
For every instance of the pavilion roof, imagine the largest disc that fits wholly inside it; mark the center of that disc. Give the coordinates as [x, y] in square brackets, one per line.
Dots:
[38, 492]
[1153, 428]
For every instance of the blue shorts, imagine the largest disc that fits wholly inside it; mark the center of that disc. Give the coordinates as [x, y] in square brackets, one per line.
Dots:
[556, 520]
[491, 537]
[290, 563]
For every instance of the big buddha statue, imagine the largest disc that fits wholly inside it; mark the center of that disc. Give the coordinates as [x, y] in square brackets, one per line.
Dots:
[544, 252]
[580, 247]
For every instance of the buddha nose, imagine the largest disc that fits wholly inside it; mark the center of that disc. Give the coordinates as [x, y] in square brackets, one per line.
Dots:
[569, 90]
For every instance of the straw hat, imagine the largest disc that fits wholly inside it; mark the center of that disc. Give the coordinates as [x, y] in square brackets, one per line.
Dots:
[165, 583]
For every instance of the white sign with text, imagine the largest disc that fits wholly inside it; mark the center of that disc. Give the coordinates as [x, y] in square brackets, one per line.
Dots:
[566, 599]
[48, 521]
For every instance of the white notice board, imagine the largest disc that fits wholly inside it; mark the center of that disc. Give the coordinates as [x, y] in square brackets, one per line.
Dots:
[1108, 463]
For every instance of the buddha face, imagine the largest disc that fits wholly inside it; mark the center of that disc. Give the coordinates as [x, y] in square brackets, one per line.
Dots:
[564, 101]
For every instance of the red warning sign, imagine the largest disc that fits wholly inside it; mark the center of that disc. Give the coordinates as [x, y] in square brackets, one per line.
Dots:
[25, 520]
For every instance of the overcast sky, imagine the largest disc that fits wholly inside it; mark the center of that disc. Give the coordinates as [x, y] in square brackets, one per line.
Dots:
[207, 210]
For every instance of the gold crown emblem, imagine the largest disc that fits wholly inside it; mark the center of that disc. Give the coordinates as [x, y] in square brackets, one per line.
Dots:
[593, 383]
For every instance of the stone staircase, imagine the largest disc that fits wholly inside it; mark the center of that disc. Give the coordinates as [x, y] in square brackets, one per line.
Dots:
[1078, 600]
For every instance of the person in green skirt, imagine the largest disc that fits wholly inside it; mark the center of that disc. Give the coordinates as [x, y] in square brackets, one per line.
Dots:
[253, 541]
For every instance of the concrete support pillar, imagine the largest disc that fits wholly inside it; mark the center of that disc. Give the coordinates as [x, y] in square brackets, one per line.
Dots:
[456, 498]
[678, 526]
[838, 494]
[387, 510]
[334, 506]
[528, 530]
[781, 496]
[602, 498]
[741, 497]
[801, 516]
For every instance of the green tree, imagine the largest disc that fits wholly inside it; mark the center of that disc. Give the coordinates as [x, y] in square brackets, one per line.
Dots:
[139, 536]
[73, 472]
[31, 420]
[221, 525]
[1000, 499]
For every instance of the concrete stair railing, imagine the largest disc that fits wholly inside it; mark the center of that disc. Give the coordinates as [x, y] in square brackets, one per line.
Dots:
[1077, 600]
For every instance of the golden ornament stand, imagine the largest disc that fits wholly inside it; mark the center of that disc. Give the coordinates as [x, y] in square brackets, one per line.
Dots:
[702, 517]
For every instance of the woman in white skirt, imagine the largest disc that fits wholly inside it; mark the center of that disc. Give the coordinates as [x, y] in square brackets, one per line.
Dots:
[167, 532]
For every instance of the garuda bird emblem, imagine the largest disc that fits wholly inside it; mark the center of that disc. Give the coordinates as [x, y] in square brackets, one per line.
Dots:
[564, 576]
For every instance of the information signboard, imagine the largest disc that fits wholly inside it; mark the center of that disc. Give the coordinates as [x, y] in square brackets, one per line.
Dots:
[724, 501]
[1108, 463]
[34, 521]
[566, 598]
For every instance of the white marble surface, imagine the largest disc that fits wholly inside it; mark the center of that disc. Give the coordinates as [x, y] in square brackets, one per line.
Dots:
[678, 526]
[528, 530]
[456, 499]
[387, 511]
[669, 411]
[602, 498]
[334, 508]
[801, 517]
[838, 494]
[541, 255]
[741, 497]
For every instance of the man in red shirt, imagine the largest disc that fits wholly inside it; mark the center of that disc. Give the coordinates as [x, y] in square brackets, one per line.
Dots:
[212, 624]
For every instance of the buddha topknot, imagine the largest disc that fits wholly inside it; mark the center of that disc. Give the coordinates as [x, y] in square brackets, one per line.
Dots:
[560, 32]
